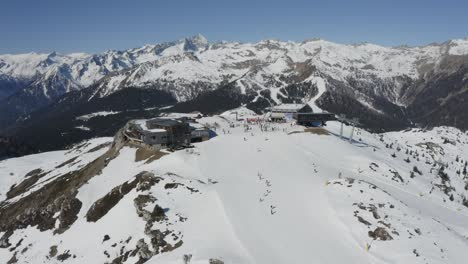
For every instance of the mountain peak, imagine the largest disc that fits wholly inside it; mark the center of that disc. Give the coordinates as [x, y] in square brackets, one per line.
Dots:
[196, 43]
[198, 37]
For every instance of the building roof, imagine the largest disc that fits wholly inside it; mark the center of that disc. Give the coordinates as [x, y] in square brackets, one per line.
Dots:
[157, 125]
[197, 126]
[166, 122]
[142, 123]
[287, 107]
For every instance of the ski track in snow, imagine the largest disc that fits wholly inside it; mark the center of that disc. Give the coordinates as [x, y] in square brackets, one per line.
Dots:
[321, 86]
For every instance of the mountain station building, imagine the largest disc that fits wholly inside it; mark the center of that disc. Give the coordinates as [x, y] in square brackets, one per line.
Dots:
[167, 132]
[286, 111]
[302, 113]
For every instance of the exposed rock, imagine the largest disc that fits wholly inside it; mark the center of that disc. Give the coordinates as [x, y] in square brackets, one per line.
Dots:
[123, 257]
[106, 203]
[25, 249]
[433, 147]
[396, 176]
[187, 258]
[57, 196]
[143, 250]
[4, 242]
[373, 210]
[13, 259]
[33, 172]
[418, 231]
[140, 202]
[17, 245]
[144, 180]
[98, 147]
[215, 261]
[68, 213]
[30, 179]
[380, 233]
[158, 213]
[362, 220]
[66, 162]
[53, 251]
[64, 256]
[156, 236]
[171, 185]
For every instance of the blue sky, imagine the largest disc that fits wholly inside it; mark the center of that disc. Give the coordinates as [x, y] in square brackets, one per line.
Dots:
[99, 25]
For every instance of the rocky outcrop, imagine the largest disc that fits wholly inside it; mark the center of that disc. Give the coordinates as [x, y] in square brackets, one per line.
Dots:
[53, 201]
[143, 180]
[380, 233]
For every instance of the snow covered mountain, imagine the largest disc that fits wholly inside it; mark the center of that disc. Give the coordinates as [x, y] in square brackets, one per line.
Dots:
[382, 83]
[397, 197]
[84, 69]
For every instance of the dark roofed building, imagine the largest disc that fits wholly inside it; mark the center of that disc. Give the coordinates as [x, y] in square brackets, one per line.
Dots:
[286, 111]
[313, 119]
[161, 132]
[302, 113]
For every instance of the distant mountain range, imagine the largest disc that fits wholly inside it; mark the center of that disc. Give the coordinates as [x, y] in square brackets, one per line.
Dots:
[386, 88]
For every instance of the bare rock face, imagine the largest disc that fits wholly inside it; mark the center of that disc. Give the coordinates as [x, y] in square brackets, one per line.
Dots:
[29, 180]
[158, 242]
[158, 213]
[69, 210]
[54, 206]
[142, 181]
[140, 202]
[143, 250]
[4, 242]
[64, 256]
[39, 207]
[106, 203]
[381, 234]
[155, 241]
[53, 251]
[216, 261]
[13, 259]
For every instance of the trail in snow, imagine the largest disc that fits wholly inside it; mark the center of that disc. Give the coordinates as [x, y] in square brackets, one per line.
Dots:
[320, 83]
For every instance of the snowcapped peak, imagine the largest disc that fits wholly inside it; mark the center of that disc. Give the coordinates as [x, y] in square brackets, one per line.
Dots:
[78, 55]
[198, 38]
[311, 40]
[458, 46]
[196, 43]
[52, 54]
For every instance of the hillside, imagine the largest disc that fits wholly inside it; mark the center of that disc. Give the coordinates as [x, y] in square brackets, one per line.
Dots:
[274, 193]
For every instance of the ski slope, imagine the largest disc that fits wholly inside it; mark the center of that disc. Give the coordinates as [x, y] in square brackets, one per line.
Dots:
[267, 194]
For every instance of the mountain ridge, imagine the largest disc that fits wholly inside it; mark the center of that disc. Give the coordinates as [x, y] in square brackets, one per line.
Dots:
[386, 88]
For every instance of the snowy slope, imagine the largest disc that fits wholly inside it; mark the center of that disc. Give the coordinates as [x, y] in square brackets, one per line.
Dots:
[255, 194]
